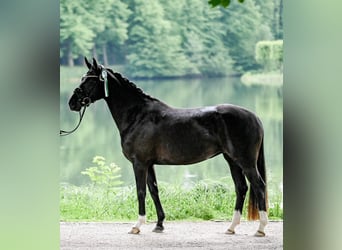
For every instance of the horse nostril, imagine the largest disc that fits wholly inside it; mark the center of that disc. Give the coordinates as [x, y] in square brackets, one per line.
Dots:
[73, 106]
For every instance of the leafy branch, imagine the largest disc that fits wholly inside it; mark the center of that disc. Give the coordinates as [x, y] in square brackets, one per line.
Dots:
[224, 3]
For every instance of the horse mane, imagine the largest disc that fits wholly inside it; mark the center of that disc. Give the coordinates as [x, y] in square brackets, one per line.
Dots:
[124, 82]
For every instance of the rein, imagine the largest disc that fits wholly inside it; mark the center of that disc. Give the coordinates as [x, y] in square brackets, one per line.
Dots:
[64, 133]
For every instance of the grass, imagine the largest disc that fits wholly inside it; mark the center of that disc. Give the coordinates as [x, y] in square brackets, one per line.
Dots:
[205, 201]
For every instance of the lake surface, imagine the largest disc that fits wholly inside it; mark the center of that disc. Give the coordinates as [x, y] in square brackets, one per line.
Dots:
[98, 134]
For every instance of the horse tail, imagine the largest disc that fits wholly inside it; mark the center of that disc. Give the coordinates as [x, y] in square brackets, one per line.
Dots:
[253, 201]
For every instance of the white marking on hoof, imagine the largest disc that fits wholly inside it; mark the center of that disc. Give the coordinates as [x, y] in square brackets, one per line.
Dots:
[235, 221]
[229, 231]
[259, 234]
[134, 230]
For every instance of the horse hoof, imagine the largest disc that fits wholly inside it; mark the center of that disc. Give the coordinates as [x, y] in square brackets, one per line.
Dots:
[134, 230]
[230, 231]
[259, 234]
[158, 229]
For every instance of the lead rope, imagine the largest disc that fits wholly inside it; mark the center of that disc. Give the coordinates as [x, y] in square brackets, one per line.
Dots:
[64, 133]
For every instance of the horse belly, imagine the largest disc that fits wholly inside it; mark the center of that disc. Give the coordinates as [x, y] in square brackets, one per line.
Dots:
[181, 150]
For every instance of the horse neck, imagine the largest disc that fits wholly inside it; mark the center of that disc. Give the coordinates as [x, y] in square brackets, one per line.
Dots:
[124, 105]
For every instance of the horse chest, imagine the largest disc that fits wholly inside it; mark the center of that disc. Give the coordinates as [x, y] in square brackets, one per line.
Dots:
[138, 145]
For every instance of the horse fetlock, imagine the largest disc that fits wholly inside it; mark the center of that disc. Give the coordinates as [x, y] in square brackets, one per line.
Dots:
[235, 221]
[236, 218]
[141, 220]
[263, 218]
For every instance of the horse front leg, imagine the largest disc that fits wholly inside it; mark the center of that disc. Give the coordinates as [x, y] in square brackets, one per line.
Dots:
[153, 187]
[140, 172]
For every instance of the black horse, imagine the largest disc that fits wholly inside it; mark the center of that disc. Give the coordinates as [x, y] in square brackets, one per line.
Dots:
[154, 133]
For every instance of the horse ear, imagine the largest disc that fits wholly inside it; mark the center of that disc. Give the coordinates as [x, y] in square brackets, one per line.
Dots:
[95, 63]
[87, 63]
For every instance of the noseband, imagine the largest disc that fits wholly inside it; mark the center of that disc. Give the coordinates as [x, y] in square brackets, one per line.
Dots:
[82, 97]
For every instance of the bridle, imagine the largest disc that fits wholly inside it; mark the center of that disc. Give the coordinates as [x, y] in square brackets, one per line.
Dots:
[85, 99]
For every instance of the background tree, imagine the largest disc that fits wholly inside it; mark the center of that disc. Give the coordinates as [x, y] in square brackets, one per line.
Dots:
[115, 32]
[168, 38]
[269, 54]
[79, 22]
[152, 48]
[244, 28]
[201, 33]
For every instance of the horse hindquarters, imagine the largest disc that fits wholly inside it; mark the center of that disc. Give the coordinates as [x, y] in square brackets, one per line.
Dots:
[242, 142]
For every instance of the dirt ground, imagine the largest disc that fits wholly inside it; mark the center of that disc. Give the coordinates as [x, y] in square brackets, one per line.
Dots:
[177, 235]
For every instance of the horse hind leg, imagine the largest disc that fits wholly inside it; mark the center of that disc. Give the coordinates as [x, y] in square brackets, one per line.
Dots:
[257, 199]
[240, 190]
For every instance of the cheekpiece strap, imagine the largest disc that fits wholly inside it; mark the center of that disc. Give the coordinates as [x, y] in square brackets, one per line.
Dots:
[103, 77]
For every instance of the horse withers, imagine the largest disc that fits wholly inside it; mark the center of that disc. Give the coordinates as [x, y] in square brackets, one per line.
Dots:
[152, 133]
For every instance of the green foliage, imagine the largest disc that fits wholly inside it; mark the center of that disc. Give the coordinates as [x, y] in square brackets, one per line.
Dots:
[168, 38]
[79, 22]
[154, 51]
[269, 54]
[245, 29]
[84, 22]
[103, 175]
[202, 34]
[224, 3]
[206, 200]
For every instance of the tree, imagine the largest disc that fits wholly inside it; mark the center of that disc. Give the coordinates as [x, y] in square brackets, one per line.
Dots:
[201, 32]
[75, 35]
[115, 32]
[272, 15]
[153, 49]
[269, 54]
[243, 29]
[79, 22]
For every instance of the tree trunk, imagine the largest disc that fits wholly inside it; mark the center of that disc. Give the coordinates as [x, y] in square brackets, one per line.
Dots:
[281, 19]
[104, 52]
[94, 52]
[69, 55]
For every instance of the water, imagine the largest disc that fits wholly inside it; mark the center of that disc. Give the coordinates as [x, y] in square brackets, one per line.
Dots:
[98, 134]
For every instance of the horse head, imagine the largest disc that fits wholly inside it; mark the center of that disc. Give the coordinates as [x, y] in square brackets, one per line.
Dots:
[92, 86]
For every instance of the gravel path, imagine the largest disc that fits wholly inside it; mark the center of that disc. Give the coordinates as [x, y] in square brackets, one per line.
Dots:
[177, 235]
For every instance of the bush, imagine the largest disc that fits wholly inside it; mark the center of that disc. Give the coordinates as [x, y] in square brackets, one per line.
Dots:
[270, 54]
[104, 175]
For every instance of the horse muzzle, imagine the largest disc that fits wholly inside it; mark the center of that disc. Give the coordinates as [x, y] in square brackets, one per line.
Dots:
[74, 104]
